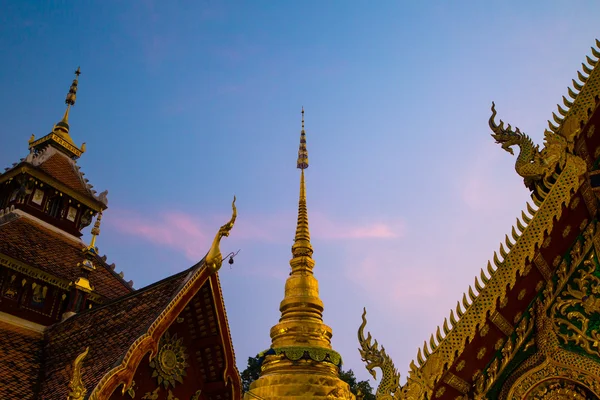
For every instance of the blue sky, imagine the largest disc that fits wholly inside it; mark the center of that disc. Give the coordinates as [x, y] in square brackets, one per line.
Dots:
[182, 105]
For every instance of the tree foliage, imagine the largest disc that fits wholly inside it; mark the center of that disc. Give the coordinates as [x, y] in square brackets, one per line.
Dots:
[252, 372]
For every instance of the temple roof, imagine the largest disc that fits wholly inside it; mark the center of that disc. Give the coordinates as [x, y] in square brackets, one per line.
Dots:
[29, 241]
[109, 331]
[20, 359]
[62, 168]
[115, 334]
[57, 167]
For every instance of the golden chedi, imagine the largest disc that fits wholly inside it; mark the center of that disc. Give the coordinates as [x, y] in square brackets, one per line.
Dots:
[300, 363]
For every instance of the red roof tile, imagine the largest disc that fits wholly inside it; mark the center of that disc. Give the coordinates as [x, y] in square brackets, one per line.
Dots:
[62, 169]
[29, 242]
[20, 358]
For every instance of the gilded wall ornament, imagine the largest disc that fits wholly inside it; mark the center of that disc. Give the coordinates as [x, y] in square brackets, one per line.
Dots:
[152, 395]
[196, 395]
[557, 390]
[576, 306]
[171, 361]
[591, 131]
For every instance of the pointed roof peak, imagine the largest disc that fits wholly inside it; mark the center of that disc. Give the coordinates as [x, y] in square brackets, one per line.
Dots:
[59, 137]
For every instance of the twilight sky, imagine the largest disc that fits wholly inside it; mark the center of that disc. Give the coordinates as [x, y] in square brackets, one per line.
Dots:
[184, 104]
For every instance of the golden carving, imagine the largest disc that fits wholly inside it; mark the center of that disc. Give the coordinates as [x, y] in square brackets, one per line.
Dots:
[484, 330]
[389, 387]
[543, 266]
[591, 131]
[522, 294]
[499, 344]
[481, 353]
[502, 323]
[171, 396]
[461, 365]
[484, 381]
[556, 261]
[76, 385]
[456, 382]
[196, 395]
[557, 390]
[152, 395]
[131, 390]
[171, 361]
[214, 258]
[546, 242]
[574, 203]
[574, 308]
[440, 392]
[517, 317]
[566, 231]
[533, 165]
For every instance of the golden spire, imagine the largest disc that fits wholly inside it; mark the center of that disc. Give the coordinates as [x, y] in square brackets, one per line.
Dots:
[71, 96]
[96, 230]
[301, 305]
[301, 362]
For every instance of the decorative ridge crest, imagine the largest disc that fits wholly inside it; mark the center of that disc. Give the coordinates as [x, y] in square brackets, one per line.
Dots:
[448, 341]
[570, 120]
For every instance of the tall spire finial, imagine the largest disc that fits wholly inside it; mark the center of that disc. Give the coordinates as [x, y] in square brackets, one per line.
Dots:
[72, 95]
[302, 162]
[302, 246]
[96, 230]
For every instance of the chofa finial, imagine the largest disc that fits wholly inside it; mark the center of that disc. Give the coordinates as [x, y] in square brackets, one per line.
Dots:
[78, 390]
[214, 258]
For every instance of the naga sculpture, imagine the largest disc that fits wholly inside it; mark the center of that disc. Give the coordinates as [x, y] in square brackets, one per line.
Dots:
[76, 384]
[214, 258]
[389, 387]
[532, 164]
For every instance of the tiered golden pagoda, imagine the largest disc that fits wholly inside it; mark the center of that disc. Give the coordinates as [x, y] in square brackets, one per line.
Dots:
[301, 363]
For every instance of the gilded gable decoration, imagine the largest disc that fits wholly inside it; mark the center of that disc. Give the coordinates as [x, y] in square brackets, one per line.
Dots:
[78, 390]
[171, 361]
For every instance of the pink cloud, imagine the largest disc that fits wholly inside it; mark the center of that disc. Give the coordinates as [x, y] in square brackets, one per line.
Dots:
[193, 235]
[325, 228]
[173, 229]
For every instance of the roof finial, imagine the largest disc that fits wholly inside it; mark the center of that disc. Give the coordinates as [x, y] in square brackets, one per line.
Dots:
[96, 230]
[302, 246]
[302, 162]
[72, 95]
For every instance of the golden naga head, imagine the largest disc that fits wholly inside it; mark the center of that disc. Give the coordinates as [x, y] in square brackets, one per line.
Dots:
[76, 385]
[214, 258]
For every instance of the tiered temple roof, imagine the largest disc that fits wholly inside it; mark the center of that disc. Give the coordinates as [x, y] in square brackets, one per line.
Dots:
[70, 326]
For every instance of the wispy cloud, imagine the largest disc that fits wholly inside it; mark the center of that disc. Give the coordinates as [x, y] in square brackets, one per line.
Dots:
[192, 234]
[172, 229]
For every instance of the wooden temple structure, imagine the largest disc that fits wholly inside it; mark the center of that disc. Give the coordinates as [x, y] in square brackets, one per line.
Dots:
[70, 326]
[529, 326]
